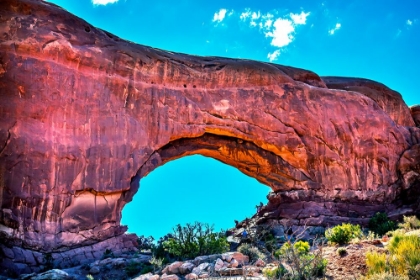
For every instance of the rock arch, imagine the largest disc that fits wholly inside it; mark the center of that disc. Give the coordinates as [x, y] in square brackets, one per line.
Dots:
[84, 115]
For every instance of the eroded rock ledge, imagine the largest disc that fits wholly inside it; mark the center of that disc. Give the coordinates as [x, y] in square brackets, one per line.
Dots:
[84, 115]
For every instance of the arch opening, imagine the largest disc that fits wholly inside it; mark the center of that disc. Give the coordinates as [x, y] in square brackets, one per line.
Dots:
[192, 188]
[264, 166]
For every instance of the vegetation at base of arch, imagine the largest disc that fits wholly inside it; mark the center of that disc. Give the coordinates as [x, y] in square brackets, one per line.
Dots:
[197, 239]
[251, 251]
[381, 224]
[403, 258]
[303, 263]
[343, 233]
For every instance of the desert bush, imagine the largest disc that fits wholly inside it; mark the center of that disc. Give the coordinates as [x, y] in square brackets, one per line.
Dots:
[403, 257]
[303, 263]
[341, 251]
[134, 268]
[414, 272]
[343, 233]
[376, 262]
[251, 251]
[274, 272]
[386, 276]
[370, 235]
[192, 240]
[410, 223]
[157, 263]
[380, 224]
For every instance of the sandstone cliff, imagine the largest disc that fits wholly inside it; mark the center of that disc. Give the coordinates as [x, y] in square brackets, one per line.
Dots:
[84, 115]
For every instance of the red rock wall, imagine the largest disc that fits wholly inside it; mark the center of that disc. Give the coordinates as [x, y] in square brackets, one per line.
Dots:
[85, 114]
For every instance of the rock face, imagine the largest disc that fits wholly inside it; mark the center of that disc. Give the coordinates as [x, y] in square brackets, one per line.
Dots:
[84, 115]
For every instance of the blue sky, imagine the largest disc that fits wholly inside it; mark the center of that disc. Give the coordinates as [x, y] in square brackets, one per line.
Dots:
[378, 40]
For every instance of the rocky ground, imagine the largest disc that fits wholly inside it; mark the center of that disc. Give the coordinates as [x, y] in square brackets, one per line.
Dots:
[351, 265]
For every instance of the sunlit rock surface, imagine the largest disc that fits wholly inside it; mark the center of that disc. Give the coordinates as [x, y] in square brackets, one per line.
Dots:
[84, 115]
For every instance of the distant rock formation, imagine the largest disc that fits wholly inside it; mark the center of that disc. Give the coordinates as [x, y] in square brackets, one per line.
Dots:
[84, 115]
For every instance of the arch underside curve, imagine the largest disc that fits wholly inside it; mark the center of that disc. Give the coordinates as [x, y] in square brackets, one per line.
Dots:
[295, 198]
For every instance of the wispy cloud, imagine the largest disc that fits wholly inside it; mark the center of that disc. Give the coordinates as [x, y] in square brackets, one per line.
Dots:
[103, 2]
[221, 15]
[274, 55]
[336, 27]
[409, 22]
[299, 18]
[280, 29]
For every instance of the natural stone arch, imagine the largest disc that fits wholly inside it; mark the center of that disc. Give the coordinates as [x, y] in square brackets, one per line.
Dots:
[85, 114]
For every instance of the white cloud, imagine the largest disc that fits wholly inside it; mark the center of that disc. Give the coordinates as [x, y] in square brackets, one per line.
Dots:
[273, 56]
[299, 18]
[282, 33]
[103, 2]
[337, 27]
[220, 15]
[281, 30]
[409, 22]
[245, 14]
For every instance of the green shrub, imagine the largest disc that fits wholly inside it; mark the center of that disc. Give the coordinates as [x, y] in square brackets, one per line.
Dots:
[410, 223]
[156, 262]
[192, 240]
[343, 233]
[134, 268]
[252, 252]
[274, 272]
[380, 224]
[341, 251]
[302, 247]
[403, 258]
[304, 264]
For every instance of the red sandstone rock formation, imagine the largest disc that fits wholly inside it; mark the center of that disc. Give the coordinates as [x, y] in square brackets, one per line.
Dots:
[84, 115]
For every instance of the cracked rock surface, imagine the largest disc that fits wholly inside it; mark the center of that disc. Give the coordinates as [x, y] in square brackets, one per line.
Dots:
[84, 115]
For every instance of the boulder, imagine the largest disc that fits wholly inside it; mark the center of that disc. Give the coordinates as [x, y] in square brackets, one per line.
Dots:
[219, 265]
[186, 268]
[200, 268]
[147, 276]
[227, 257]
[173, 268]
[53, 274]
[239, 257]
[169, 277]
[234, 263]
[94, 270]
[191, 276]
[260, 263]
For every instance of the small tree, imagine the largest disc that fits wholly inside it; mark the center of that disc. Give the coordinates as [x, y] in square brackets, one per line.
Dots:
[196, 239]
[380, 224]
